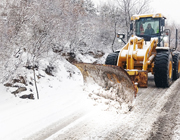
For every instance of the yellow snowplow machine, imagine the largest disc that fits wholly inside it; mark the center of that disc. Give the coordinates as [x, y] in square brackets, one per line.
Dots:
[147, 50]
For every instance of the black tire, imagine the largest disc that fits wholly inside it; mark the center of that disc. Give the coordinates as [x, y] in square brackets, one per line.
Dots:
[163, 69]
[176, 66]
[112, 58]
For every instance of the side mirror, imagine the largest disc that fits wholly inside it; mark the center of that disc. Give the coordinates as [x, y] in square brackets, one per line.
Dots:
[131, 27]
[162, 22]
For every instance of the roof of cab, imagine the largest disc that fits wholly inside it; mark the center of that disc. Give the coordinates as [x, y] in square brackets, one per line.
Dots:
[137, 17]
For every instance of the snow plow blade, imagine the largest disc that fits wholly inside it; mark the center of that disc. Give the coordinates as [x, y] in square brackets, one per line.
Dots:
[108, 77]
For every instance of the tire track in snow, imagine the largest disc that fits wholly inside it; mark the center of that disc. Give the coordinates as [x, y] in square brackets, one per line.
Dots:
[164, 126]
[139, 123]
[140, 117]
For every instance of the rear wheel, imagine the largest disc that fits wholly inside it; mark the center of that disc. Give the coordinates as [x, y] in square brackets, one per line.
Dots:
[176, 66]
[163, 69]
[112, 58]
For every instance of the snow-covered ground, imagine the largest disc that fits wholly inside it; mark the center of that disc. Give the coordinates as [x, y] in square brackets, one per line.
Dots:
[22, 117]
[67, 110]
[60, 95]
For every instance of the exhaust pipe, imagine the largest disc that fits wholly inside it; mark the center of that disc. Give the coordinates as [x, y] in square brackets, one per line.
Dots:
[176, 39]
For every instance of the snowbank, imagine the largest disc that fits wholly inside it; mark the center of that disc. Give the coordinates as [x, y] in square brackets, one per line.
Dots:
[62, 94]
[20, 118]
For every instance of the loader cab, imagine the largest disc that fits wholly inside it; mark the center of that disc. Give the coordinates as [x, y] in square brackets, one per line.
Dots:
[149, 26]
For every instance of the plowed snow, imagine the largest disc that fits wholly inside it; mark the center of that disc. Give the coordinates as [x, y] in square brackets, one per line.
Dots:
[66, 111]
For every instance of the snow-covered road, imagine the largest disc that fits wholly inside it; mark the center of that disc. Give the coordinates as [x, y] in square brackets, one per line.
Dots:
[143, 122]
[71, 114]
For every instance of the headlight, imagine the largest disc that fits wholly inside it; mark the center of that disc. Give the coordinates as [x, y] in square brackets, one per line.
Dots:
[121, 36]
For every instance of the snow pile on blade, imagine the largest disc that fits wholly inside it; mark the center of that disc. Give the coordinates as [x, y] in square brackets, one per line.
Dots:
[113, 83]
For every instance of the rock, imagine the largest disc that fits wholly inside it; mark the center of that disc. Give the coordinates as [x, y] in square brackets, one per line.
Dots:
[29, 96]
[8, 85]
[49, 70]
[20, 89]
[19, 80]
[16, 81]
[22, 80]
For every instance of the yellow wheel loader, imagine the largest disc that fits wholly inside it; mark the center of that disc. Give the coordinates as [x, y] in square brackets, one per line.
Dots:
[147, 50]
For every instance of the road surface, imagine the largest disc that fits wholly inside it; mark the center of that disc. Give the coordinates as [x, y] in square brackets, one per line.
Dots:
[155, 116]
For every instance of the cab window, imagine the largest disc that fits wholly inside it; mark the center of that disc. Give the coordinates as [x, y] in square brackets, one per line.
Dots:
[147, 26]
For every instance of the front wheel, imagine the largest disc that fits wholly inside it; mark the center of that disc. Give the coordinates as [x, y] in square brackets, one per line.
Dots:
[163, 69]
[112, 58]
[176, 66]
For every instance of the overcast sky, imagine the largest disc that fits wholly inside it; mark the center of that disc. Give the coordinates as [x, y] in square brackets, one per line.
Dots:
[169, 8]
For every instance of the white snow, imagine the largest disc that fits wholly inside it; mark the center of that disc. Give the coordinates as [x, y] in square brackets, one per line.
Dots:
[60, 96]
[63, 97]
[20, 118]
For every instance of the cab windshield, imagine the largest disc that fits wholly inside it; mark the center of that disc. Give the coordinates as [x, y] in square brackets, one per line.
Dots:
[147, 27]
